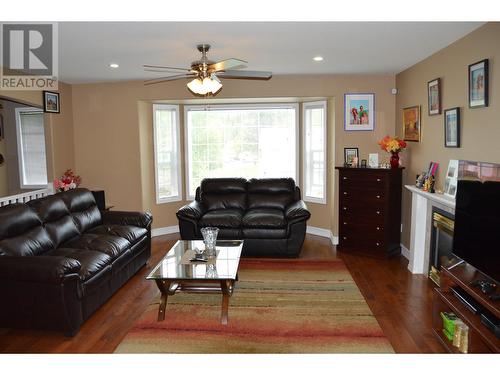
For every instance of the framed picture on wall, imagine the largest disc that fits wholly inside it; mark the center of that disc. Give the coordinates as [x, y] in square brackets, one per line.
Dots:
[478, 84]
[434, 96]
[51, 102]
[359, 112]
[411, 124]
[351, 155]
[452, 127]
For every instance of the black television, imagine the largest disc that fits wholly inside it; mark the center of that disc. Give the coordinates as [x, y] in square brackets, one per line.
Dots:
[476, 238]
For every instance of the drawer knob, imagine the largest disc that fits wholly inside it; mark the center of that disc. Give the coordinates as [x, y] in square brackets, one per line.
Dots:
[378, 212]
[344, 178]
[378, 196]
[378, 179]
[344, 208]
[345, 192]
[378, 228]
[378, 244]
[344, 238]
[345, 223]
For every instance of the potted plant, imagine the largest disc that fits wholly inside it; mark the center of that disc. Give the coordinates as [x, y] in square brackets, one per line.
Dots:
[394, 146]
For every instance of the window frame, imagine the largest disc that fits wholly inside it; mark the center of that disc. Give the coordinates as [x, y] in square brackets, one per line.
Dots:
[20, 154]
[239, 106]
[178, 161]
[312, 105]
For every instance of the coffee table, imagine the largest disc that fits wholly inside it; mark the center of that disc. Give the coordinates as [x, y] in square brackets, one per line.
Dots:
[219, 275]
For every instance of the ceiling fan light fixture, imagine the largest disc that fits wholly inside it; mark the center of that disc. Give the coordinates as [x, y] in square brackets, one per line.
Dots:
[208, 85]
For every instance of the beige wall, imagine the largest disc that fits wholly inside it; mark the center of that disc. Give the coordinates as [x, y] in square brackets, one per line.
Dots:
[113, 132]
[58, 128]
[480, 128]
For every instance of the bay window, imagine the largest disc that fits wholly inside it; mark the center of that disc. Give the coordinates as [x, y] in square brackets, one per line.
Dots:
[249, 141]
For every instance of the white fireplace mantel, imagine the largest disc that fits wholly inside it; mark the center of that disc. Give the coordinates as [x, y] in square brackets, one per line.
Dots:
[421, 225]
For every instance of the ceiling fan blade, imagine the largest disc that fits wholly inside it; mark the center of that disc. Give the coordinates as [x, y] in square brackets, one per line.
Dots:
[164, 68]
[227, 64]
[245, 74]
[169, 78]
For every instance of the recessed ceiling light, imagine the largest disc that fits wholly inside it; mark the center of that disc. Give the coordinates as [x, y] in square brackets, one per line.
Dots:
[318, 58]
[114, 65]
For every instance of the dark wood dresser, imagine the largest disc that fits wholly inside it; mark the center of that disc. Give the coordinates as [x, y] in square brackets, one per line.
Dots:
[370, 210]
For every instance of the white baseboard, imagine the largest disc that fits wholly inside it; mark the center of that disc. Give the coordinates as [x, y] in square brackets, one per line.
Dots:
[164, 230]
[311, 230]
[405, 252]
[323, 233]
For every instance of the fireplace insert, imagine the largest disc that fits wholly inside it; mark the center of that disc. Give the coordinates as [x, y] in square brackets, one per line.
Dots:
[441, 242]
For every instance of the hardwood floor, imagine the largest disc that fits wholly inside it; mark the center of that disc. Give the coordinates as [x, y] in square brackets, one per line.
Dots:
[400, 301]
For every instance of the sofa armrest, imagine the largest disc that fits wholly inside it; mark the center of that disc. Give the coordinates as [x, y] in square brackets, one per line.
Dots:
[191, 211]
[41, 269]
[138, 219]
[297, 211]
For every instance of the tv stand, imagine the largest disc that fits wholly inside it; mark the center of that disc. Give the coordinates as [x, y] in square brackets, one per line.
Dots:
[481, 338]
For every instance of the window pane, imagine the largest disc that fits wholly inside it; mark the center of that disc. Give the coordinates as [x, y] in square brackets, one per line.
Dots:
[32, 139]
[314, 153]
[240, 142]
[166, 152]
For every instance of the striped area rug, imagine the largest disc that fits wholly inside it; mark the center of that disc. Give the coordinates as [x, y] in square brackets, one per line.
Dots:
[278, 306]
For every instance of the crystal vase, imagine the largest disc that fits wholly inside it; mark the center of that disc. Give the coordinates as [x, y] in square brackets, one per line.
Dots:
[209, 239]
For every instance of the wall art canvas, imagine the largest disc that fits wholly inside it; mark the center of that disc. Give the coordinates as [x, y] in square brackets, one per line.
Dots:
[359, 112]
[411, 124]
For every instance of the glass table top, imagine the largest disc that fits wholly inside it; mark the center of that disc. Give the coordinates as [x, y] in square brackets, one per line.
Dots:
[225, 266]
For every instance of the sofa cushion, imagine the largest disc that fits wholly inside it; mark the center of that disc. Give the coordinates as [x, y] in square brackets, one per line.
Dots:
[220, 193]
[270, 193]
[16, 219]
[113, 246]
[35, 241]
[91, 261]
[264, 218]
[228, 218]
[131, 233]
[83, 208]
[49, 208]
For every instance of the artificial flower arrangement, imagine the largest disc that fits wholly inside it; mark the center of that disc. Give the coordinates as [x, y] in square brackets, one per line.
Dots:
[69, 180]
[392, 144]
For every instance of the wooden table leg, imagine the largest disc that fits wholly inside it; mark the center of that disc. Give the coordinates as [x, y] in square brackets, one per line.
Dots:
[227, 290]
[164, 287]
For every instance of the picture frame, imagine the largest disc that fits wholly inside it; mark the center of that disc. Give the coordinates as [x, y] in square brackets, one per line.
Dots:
[359, 112]
[434, 97]
[452, 127]
[373, 161]
[451, 179]
[51, 102]
[349, 154]
[363, 163]
[479, 84]
[411, 124]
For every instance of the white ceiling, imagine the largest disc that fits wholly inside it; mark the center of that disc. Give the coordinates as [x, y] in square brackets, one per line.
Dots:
[87, 48]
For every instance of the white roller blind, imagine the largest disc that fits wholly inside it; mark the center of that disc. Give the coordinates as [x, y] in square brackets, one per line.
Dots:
[31, 148]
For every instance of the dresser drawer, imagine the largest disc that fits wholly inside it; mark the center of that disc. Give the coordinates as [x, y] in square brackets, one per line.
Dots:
[365, 180]
[361, 241]
[354, 197]
[354, 226]
[361, 211]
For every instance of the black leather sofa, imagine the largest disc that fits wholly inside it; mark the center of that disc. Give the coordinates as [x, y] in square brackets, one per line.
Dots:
[61, 259]
[267, 213]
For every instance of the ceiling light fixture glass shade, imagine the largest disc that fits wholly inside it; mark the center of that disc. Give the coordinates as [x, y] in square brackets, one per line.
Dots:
[205, 87]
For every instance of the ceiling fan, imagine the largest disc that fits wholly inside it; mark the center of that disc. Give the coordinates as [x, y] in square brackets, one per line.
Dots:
[206, 74]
